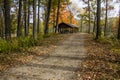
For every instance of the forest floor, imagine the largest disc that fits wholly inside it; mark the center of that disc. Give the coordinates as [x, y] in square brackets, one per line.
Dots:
[64, 57]
[102, 60]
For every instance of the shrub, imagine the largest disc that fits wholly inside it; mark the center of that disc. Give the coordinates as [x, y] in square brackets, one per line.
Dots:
[14, 45]
[26, 42]
[39, 40]
[17, 44]
[104, 40]
[5, 46]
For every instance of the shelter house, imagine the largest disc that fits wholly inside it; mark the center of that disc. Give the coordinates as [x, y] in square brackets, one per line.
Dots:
[67, 28]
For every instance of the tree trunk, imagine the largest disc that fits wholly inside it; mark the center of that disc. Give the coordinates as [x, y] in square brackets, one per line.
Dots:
[54, 21]
[94, 26]
[105, 28]
[19, 28]
[25, 18]
[28, 20]
[7, 20]
[47, 17]
[2, 25]
[118, 36]
[34, 20]
[70, 17]
[0, 29]
[38, 23]
[89, 16]
[98, 32]
[57, 18]
[81, 27]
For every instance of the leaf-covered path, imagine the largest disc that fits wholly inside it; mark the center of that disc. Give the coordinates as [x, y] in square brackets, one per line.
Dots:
[61, 64]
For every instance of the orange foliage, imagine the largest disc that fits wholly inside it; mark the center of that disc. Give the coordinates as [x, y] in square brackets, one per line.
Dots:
[65, 16]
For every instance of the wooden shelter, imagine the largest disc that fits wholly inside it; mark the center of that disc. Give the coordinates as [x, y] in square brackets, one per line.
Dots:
[67, 28]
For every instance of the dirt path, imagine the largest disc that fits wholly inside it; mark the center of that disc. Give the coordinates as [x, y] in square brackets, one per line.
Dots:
[62, 64]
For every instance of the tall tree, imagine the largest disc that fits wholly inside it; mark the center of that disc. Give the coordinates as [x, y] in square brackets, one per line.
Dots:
[94, 26]
[81, 24]
[2, 19]
[47, 17]
[94, 10]
[28, 17]
[34, 20]
[7, 19]
[38, 23]
[25, 18]
[106, 18]
[81, 21]
[118, 36]
[19, 28]
[89, 15]
[57, 18]
[98, 32]
[54, 19]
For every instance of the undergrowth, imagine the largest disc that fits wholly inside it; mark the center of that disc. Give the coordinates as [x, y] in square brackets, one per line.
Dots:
[114, 43]
[17, 44]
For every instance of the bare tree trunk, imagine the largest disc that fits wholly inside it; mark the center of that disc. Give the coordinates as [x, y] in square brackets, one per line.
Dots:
[70, 17]
[19, 28]
[38, 23]
[54, 17]
[98, 32]
[94, 26]
[57, 18]
[81, 27]
[0, 28]
[89, 16]
[118, 36]
[105, 28]
[2, 23]
[28, 21]
[47, 17]
[25, 18]
[34, 20]
[7, 20]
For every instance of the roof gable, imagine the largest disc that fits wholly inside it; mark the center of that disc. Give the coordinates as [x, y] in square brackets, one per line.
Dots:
[68, 25]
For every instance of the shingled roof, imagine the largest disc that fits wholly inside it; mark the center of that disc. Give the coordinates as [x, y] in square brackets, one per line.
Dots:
[68, 25]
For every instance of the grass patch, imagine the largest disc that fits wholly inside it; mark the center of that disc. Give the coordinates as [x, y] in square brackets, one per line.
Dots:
[111, 41]
[17, 44]
[5, 46]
